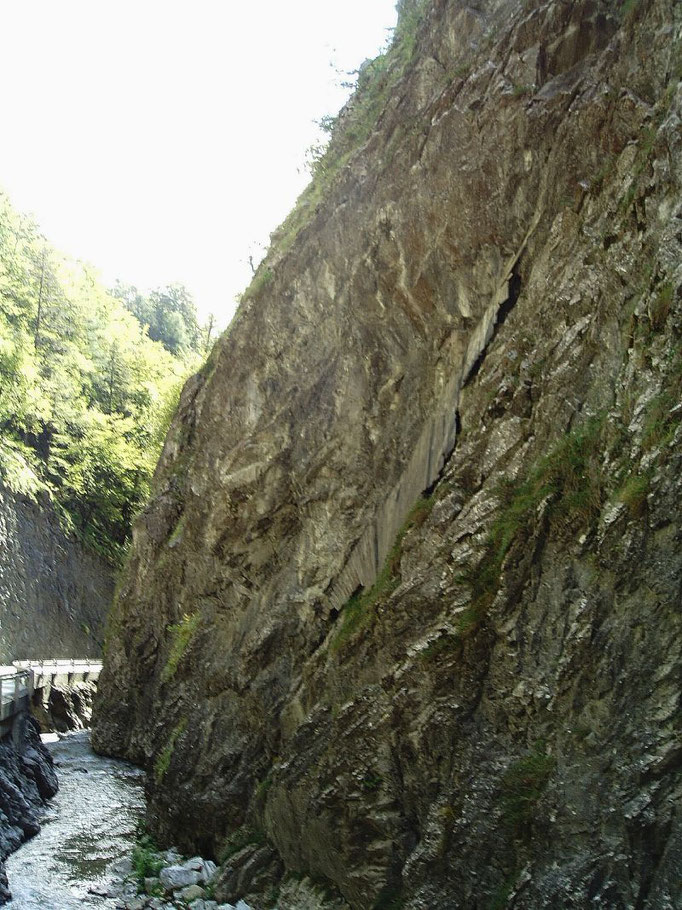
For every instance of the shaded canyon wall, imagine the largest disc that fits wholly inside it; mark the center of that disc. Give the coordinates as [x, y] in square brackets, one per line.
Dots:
[475, 701]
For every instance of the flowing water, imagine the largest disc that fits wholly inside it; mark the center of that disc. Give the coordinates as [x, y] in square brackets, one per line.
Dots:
[88, 827]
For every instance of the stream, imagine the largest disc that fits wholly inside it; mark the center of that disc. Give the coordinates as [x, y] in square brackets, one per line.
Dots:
[88, 828]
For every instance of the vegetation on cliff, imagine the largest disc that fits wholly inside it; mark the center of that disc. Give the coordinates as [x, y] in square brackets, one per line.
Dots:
[470, 701]
[88, 382]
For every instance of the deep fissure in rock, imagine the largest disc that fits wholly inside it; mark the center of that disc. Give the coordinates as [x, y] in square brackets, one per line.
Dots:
[504, 310]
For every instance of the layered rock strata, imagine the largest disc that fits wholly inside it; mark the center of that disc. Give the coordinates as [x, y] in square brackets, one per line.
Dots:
[403, 614]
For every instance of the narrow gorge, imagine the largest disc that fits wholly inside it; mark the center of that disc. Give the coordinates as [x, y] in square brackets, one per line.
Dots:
[400, 624]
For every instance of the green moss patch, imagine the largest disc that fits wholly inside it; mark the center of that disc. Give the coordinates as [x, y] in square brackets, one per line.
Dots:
[522, 786]
[182, 633]
[163, 761]
[357, 611]
[568, 479]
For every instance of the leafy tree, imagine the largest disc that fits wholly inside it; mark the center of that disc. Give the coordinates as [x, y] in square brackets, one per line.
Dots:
[169, 315]
[88, 381]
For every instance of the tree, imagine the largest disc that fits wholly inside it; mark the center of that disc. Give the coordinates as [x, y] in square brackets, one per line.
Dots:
[86, 394]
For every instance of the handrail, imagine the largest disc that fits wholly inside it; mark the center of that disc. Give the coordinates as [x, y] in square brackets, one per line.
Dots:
[58, 662]
[19, 681]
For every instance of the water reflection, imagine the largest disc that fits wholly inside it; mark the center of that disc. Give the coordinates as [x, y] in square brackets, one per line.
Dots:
[89, 825]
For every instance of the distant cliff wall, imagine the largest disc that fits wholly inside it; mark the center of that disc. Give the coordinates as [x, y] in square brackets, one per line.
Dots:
[54, 592]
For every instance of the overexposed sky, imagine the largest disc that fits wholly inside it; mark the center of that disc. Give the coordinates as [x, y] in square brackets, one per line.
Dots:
[163, 140]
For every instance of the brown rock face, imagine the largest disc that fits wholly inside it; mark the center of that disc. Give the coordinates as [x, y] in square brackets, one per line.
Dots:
[403, 614]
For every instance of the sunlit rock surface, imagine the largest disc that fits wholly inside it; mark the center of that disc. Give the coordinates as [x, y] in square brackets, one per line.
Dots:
[482, 314]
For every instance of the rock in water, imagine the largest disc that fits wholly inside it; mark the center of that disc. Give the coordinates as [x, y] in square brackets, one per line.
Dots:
[27, 779]
[403, 611]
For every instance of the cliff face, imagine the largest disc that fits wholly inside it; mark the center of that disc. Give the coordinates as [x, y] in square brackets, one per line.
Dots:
[54, 593]
[403, 614]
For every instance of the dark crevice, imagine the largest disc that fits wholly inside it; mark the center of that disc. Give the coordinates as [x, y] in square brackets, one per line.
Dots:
[505, 309]
[448, 458]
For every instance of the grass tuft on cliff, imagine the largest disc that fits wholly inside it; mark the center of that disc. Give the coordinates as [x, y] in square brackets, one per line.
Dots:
[568, 480]
[182, 633]
[522, 786]
[356, 612]
[162, 763]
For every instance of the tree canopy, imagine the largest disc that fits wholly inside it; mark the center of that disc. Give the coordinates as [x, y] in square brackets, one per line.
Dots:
[88, 381]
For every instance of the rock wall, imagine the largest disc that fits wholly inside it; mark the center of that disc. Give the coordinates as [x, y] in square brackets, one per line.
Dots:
[27, 779]
[67, 708]
[474, 702]
[54, 593]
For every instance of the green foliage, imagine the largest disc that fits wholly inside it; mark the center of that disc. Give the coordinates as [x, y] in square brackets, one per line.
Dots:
[663, 413]
[522, 786]
[660, 306]
[263, 277]
[661, 421]
[445, 645]
[628, 7]
[147, 861]
[162, 763]
[357, 611]
[568, 479]
[521, 90]
[371, 782]
[85, 393]
[352, 128]
[646, 144]
[16, 471]
[168, 315]
[262, 787]
[410, 15]
[245, 836]
[390, 898]
[500, 898]
[634, 494]
[181, 635]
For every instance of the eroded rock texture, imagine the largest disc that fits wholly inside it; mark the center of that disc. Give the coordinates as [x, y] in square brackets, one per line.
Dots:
[27, 780]
[481, 316]
[54, 592]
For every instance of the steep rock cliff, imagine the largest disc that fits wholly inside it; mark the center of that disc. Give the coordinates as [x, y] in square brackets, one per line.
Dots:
[54, 592]
[403, 614]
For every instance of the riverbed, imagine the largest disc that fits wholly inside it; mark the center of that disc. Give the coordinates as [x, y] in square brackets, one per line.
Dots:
[87, 831]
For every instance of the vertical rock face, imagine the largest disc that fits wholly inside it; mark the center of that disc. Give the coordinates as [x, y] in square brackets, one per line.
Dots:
[403, 614]
[54, 593]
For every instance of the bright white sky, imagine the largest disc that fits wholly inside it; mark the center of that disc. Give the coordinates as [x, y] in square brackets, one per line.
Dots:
[163, 140]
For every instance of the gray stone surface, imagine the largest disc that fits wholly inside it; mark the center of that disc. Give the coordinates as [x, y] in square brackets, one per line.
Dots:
[54, 592]
[175, 877]
[500, 721]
